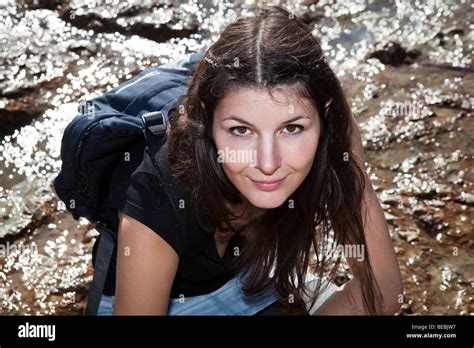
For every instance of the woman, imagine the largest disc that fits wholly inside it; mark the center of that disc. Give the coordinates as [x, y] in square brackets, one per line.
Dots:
[268, 160]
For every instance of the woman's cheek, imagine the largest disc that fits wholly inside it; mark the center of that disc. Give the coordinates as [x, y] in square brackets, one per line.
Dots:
[232, 169]
[235, 153]
[299, 153]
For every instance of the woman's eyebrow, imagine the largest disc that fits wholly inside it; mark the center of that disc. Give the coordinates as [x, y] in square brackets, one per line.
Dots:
[235, 118]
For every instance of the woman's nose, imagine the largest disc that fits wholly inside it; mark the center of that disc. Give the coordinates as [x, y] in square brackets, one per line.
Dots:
[268, 155]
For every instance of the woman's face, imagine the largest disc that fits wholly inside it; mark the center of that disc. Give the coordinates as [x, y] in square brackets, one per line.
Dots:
[266, 148]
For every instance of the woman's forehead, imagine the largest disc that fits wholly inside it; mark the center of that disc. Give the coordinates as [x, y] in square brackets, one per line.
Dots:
[284, 96]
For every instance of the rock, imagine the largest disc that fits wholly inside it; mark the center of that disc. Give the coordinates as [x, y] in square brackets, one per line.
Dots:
[11, 120]
[147, 20]
[25, 208]
[456, 31]
[394, 54]
[84, 46]
[465, 104]
[42, 4]
[467, 198]
[469, 175]
[89, 236]
[390, 217]
[409, 236]
[33, 66]
[444, 36]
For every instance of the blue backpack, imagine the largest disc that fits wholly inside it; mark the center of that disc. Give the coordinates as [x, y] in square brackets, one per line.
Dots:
[123, 121]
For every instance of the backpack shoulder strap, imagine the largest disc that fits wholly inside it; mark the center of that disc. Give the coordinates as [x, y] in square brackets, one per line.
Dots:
[155, 125]
[174, 193]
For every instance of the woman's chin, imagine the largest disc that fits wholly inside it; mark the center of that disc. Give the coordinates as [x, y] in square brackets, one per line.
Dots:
[267, 201]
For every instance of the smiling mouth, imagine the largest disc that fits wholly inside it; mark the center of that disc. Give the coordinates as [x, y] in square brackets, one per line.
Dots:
[268, 185]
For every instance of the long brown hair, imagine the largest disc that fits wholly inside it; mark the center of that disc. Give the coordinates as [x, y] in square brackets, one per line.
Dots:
[266, 51]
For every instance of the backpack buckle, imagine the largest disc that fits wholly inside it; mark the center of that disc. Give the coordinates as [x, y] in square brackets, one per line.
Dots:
[156, 122]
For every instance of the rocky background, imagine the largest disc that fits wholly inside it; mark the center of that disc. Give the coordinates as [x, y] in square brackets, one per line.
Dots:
[407, 69]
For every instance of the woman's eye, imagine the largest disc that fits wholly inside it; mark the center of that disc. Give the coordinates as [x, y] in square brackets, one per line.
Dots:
[239, 131]
[294, 129]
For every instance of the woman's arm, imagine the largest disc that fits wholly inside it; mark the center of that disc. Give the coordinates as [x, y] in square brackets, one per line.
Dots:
[348, 299]
[146, 267]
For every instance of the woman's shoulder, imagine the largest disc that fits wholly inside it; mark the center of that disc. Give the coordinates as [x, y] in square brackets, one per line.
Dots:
[147, 166]
[147, 199]
[150, 180]
[155, 164]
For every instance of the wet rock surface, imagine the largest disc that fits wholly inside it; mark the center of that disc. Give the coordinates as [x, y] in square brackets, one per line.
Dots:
[394, 54]
[407, 71]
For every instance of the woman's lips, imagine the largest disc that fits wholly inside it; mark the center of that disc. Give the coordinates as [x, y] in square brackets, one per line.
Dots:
[268, 185]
